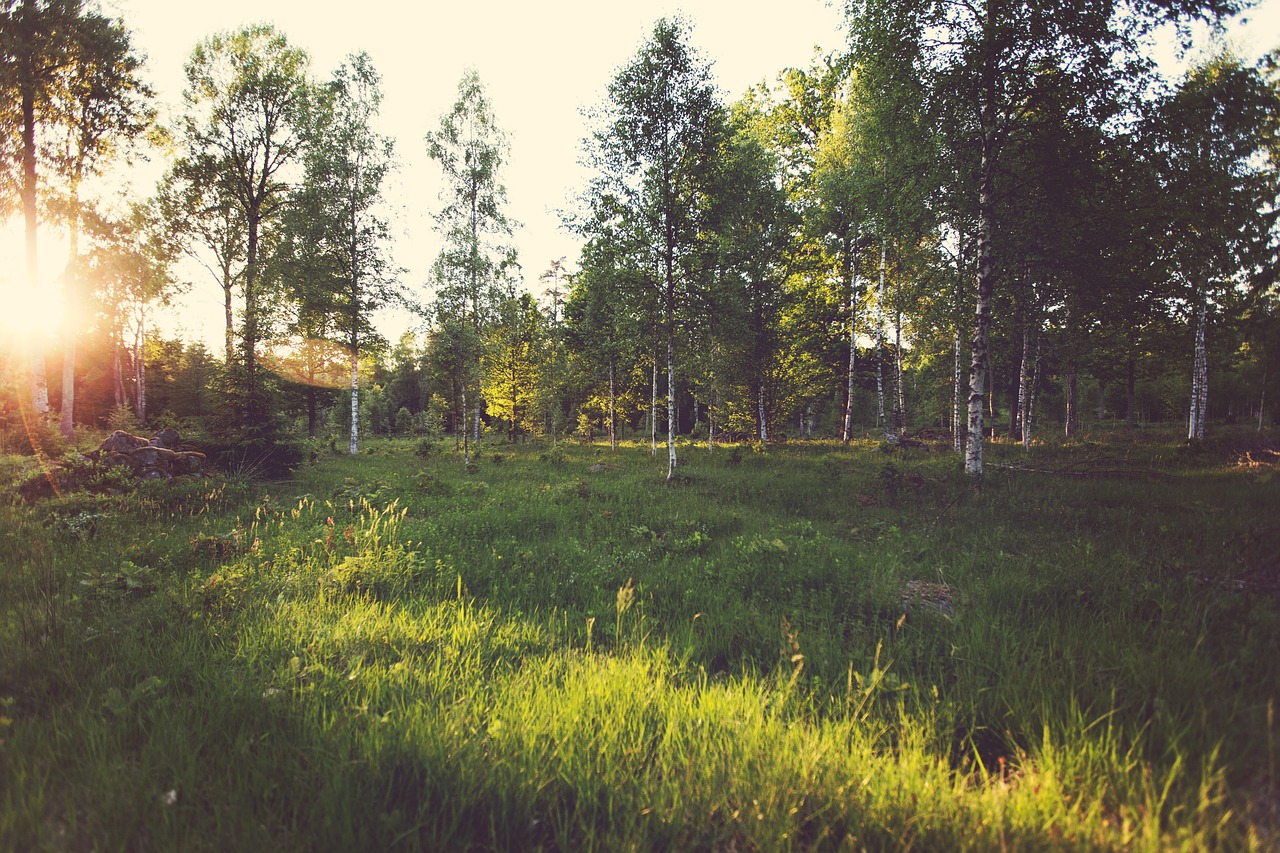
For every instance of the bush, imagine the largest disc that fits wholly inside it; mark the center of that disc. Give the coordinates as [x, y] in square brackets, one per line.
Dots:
[404, 421]
[122, 417]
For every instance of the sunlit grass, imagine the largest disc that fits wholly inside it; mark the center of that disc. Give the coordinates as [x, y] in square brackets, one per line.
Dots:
[566, 651]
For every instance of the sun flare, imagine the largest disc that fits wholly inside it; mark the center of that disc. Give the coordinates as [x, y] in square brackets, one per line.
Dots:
[26, 313]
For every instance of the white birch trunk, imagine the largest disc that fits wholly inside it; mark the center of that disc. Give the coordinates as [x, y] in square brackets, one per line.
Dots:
[1024, 379]
[140, 370]
[764, 424]
[354, 445]
[847, 435]
[900, 406]
[980, 363]
[1072, 386]
[1031, 397]
[1199, 377]
[880, 419]
[39, 381]
[957, 414]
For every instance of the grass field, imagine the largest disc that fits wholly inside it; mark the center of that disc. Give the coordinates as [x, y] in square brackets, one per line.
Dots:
[807, 647]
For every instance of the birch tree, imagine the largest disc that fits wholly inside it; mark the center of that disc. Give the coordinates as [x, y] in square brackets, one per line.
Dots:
[335, 215]
[656, 148]
[471, 150]
[1213, 133]
[978, 62]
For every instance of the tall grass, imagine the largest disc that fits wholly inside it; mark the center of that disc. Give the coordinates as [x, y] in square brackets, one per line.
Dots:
[818, 647]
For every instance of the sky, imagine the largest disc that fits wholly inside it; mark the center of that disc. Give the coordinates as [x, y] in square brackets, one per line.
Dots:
[542, 64]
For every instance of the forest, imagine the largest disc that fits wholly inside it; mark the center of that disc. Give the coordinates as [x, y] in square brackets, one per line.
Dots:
[893, 466]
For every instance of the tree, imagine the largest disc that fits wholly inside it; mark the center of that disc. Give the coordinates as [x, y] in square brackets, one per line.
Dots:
[206, 220]
[1212, 138]
[837, 219]
[981, 64]
[752, 226]
[556, 292]
[510, 364]
[245, 95]
[656, 149]
[334, 227]
[471, 150]
[44, 45]
[100, 103]
[600, 327]
[132, 272]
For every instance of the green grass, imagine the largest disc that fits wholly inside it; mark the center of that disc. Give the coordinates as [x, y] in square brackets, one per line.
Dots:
[559, 649]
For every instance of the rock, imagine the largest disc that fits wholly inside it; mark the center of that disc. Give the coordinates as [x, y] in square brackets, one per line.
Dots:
[156, 458]
[121, 442]
[167, 438]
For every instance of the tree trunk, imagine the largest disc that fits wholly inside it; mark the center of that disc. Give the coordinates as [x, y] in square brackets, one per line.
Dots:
[1069, 428]
[978, 367]
[671, 406]
[71, 285]
[466, 444]
[67, 422]
[1199, 377]
[117, 369]
[354, 444]
[39, 381]
[311, 408]
[852, 287]
[140, 370]
[613, 416]
[227, 287]
[711, 419]
[1031, 398]
[1131, 393]
[900, 405]
[880, 344]
[1015, 398]
[764, 423]
[653, 410]
[1024, 389]
[1262, 398]
[1102, 400]
[252, 400]
[1262, 402]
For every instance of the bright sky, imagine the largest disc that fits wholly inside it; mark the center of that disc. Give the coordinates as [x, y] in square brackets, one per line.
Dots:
[541, 62]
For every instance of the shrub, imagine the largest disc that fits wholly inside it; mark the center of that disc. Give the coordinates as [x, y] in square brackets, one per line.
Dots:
[122, 417]
[404, 421]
